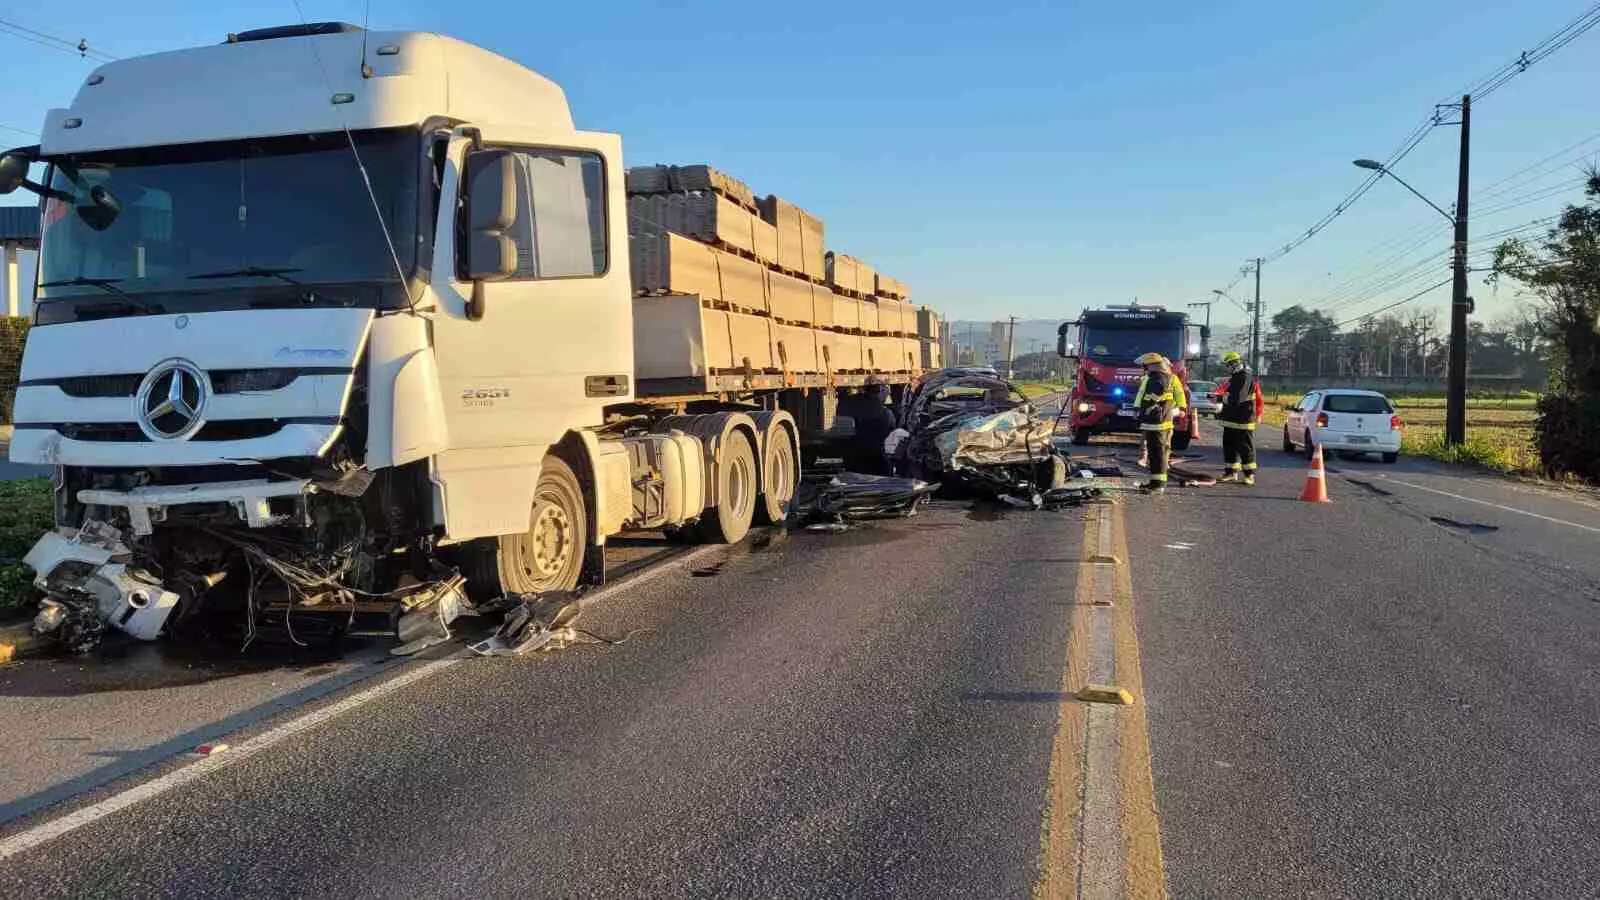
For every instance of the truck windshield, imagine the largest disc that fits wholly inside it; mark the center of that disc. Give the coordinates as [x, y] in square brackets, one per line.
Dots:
[175, 228]
[1124, 345]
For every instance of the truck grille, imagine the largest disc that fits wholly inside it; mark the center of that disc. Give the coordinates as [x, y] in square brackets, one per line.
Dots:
[223, 381]
[128, 433]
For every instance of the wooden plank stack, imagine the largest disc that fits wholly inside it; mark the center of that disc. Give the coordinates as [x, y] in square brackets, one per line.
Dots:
[726, 282]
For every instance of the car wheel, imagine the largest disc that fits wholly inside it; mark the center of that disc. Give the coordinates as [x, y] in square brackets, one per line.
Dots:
[1311, 449]
[1391, 457]
[1288, 443]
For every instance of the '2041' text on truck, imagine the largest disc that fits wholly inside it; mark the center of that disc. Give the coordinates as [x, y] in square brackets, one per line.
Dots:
[331, 321]
[1107, 378]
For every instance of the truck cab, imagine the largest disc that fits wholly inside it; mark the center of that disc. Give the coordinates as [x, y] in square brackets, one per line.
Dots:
[323, 312]
[1104, 344]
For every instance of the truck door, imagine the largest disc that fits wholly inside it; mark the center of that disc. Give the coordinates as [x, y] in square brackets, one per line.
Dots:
[541, 344]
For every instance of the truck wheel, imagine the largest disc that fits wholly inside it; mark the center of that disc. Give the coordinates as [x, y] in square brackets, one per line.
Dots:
[549, 555]
[1180, 440]
[736, 493]
[780, 472]
[1080, 438]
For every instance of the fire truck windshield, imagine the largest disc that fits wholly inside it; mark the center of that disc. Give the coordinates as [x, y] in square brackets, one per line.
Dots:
[1124, 345]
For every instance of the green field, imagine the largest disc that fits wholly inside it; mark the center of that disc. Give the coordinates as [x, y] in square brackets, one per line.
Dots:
[1499, 430]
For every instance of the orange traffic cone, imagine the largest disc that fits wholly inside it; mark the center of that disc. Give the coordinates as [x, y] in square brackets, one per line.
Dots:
[1316, 490]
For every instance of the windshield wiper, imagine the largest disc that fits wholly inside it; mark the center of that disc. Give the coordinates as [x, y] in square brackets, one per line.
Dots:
[109, 285]
[281, 273]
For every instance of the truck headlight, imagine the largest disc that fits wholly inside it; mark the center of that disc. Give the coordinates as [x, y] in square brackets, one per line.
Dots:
[1085, 407]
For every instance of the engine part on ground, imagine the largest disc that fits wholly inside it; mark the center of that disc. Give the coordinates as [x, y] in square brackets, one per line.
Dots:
[430, 610]
[853, 497]
[537, 622]
[72, 620]
[93, 565]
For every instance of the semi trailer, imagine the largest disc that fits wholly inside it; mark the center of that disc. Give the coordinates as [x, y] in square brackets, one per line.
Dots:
[331, 321]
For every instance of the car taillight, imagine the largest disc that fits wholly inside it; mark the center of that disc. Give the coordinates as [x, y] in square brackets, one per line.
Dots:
[1396, 423]
[1322, 420]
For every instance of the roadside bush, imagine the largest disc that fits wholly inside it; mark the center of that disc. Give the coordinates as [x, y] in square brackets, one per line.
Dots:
[13, 333]
[1475, 452]
[26, 512]
[1568, 435]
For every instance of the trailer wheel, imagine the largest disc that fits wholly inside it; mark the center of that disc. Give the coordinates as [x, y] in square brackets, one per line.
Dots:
[549, 555]
[736, 493]
[780, 472]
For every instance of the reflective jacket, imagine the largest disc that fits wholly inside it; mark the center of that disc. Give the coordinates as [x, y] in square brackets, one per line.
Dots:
[1242, 405]
[1159, 399]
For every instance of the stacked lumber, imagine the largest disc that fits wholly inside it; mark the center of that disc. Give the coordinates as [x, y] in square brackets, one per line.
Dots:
[800, 249]
[726, 282]
[891, 287]
[711, 218]
[667, 263]
[928, 324]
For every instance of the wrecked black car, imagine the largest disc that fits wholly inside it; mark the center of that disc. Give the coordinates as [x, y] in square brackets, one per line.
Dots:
[972, 429]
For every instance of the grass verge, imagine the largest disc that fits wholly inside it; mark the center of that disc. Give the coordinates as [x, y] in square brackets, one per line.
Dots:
[26, 512]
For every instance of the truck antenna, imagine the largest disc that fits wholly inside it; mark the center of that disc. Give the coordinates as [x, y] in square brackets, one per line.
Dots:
[377, 208]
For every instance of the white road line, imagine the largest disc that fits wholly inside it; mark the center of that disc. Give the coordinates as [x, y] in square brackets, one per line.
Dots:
[48, 831]
[1509, 509]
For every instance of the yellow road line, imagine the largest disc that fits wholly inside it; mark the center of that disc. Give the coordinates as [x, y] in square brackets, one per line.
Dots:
[1058, 834]
[1062, 836]
[1141, 830]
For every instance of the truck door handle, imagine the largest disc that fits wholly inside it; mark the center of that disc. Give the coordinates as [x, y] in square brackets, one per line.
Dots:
[605, 385]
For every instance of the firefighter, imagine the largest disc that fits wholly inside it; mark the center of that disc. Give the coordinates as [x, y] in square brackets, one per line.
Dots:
[1158, 402]
[1242, 407]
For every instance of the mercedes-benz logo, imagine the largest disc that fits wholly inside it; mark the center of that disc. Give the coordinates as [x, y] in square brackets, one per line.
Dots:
[171, 402]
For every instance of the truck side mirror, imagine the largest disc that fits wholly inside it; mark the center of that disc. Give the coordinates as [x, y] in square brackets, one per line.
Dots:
[491, 254]
[1064, 349]
[13, 172]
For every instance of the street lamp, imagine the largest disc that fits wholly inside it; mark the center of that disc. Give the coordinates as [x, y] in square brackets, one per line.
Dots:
[1379, 167]
[1455, 404]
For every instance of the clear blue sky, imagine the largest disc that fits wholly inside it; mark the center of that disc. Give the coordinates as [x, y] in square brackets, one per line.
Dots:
[1009, 158]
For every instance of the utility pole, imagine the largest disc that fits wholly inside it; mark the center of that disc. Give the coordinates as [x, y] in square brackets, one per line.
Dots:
[1455, 411]
[1255, 332]
[1011, 348]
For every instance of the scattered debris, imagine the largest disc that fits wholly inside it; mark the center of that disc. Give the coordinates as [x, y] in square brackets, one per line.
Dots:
[210, 749]
[429, 612]
[536, 622]
[853, 497]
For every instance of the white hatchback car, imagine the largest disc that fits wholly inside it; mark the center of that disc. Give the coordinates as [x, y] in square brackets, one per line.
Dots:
[1345, 420]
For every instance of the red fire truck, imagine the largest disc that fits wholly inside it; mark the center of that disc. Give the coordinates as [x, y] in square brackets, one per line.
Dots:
[1105, 344]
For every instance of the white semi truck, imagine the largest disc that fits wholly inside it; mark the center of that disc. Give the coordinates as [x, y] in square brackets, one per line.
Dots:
[324, 313]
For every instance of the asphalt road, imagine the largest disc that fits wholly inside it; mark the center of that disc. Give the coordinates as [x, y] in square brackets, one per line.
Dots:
[1391, 695]
[1397, 694]
[869, 713]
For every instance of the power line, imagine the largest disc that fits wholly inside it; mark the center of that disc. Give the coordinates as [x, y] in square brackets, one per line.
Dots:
[27, 131]
[79, 48]
[1483, 88]
[1383, 309]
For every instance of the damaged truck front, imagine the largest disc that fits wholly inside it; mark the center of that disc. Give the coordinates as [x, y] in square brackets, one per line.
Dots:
[315, 346]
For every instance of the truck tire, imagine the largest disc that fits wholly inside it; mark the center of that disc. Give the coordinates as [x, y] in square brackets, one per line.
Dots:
[1080, 438]
[1181, 439]
[546, 557]
[729, 521]
[780, 475]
